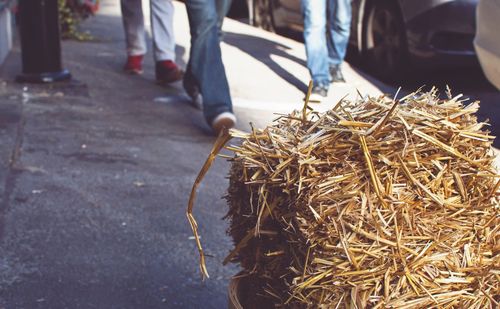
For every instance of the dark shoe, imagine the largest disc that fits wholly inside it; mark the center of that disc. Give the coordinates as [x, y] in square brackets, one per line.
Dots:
[225, 120]
[168, 72]
[318, 94]
[336, 74]
[134, 65]
[193, 91]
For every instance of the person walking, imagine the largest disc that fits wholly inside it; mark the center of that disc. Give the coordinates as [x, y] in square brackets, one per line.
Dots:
[326, 33]
[162, 13]
[205, 79]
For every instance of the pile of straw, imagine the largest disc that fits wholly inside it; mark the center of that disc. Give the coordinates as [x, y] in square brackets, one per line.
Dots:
[377, 203]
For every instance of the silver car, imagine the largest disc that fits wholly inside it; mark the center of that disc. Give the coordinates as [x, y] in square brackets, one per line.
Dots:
[393, 36]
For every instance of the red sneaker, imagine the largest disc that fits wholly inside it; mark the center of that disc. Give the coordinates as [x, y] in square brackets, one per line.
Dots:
[168, 72]
[134, 64]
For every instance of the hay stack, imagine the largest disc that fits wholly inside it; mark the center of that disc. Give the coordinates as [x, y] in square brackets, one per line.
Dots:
[373, 204]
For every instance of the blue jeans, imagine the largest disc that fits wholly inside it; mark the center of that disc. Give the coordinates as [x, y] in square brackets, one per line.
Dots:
[205, 68]
[327, 25]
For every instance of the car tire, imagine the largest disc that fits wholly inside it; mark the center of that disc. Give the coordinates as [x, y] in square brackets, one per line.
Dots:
[238, 9]
[263, 15]
[385, 48]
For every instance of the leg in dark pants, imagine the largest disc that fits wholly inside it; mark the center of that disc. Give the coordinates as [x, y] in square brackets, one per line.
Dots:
[205, 69]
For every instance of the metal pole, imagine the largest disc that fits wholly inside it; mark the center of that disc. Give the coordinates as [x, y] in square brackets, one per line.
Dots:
[40, 42]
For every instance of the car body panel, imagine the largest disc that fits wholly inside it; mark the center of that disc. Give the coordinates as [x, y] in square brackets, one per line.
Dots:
[487, 40]
[287, 13]
[437, 36]
[412, 8]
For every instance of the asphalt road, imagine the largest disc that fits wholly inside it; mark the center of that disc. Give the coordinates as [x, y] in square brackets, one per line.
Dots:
[94, 181]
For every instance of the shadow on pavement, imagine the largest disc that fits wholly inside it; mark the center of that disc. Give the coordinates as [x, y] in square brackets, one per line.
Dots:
[262, 50]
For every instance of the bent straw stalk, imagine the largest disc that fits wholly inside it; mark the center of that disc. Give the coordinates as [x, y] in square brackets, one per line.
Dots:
[376, 203]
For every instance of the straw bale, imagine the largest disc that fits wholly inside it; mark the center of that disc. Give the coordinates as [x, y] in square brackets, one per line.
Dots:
[377, 203]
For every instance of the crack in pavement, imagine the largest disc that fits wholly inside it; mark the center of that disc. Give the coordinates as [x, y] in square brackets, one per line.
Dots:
[12, 170]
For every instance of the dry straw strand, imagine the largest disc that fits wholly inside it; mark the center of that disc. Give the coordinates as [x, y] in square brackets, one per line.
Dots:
[376, 203]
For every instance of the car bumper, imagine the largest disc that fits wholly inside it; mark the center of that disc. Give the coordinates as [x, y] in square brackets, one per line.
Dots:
[443, 35]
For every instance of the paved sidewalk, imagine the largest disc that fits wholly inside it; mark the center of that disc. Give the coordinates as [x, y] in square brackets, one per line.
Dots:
[268, 71]
[94, 181]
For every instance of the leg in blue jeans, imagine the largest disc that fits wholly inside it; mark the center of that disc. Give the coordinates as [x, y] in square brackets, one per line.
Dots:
[339, 18]
[205, 68]
[314, 13]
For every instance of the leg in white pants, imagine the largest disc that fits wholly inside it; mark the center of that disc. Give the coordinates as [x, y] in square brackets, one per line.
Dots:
[162, 24]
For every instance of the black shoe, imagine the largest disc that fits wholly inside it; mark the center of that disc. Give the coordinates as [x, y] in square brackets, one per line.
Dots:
[336, 74]
[318, 93]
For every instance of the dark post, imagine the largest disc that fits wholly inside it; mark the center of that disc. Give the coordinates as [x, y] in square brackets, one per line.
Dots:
[40, 42]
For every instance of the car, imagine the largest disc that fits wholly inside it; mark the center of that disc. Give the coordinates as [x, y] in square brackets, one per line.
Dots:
[487, 41]
[392, 36]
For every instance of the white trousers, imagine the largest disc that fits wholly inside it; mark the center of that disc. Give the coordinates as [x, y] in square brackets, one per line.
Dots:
[162, 28]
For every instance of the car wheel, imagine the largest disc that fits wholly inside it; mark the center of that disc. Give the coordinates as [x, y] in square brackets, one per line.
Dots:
[263, 17]
[384, 41]
[238, 9]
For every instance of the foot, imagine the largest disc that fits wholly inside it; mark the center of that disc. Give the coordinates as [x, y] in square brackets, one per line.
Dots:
[193, 91]
[134, 65]
[225, 120]
[318, 93]
[336, 74]
[167, 72]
